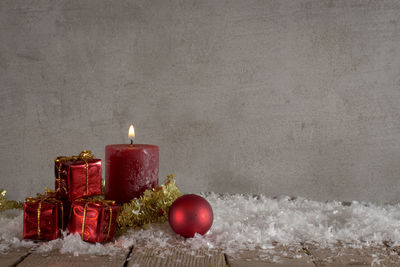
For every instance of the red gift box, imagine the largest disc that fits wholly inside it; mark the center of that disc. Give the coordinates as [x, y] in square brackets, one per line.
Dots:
[78, 176]
[93, 220]
[43, 218]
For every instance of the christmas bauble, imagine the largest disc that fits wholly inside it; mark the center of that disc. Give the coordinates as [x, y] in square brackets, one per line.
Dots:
[190, 214]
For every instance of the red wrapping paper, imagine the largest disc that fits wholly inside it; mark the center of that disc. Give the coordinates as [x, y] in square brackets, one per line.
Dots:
[64, 207]
[96, 218]
[77, 177]
[43, 218]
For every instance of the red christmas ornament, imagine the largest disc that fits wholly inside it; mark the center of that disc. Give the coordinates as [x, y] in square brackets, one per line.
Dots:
[190, 214]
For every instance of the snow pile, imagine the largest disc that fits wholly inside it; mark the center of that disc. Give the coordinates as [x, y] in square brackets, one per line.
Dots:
[11, 229]
[242, 222]
[72, 243]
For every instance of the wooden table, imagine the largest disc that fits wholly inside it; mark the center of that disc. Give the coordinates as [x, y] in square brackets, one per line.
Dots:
[304, 255]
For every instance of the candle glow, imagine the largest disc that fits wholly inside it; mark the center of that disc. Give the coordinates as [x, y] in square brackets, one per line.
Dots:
[131, 132]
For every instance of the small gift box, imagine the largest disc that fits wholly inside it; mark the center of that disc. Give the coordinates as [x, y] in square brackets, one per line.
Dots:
[77, 176]
[93, 220]
[43, 218]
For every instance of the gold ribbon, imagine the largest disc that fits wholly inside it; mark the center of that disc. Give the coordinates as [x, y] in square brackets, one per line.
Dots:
[34, 200]
[101, 201]
[38, 218]
[84, 219]
[47, 197]
[59, 175]
[85, 155]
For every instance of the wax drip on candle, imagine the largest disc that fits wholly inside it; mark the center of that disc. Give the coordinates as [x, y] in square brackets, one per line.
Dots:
[131, 133]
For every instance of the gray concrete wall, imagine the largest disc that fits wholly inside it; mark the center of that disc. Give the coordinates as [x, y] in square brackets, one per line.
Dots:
[275, 97]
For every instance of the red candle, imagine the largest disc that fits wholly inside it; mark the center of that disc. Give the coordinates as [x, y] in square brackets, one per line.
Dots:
[130, 170]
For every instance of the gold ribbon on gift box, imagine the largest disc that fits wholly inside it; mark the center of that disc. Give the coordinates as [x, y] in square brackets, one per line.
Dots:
[47, 197]
[101, 201]
[85, 155]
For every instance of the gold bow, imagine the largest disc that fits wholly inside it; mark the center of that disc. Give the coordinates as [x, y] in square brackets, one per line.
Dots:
[101, 201]
[85, 155]
[47, 197]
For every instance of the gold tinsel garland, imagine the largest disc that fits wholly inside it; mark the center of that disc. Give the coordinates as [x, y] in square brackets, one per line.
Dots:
[151, 207]
[6, 204]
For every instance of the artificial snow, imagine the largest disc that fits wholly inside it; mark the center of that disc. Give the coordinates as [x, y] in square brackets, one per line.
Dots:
[241, 222]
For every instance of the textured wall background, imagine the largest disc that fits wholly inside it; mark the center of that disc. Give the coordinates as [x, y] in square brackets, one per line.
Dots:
[275, 97]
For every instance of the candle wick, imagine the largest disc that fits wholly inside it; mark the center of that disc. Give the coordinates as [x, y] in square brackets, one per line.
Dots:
[131, 141]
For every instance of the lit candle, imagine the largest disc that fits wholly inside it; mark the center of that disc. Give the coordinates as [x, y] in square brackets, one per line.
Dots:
[130, 169]
[131, 133]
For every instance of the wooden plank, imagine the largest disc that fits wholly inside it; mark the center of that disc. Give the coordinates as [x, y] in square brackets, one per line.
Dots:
[255, 263]
[55, 258]
[13, 257]
[395, 249]
[175, 257]
[346, 255]
[278, 255]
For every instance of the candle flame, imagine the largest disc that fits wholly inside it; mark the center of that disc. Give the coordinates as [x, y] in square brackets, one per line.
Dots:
[131, 132]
